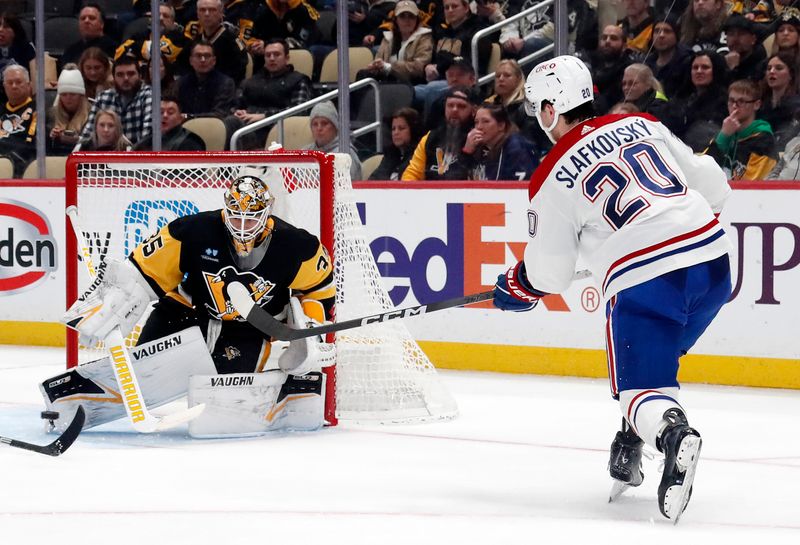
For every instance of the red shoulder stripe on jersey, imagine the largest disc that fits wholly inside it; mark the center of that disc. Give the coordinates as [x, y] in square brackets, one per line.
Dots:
[566, 142]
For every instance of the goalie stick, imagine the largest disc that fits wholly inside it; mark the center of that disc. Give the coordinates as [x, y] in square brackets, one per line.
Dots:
[268, 325]
[120, 360]
[57, 447]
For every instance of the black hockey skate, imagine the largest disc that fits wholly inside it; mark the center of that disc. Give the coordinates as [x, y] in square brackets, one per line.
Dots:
[681, 447]
[625, 462]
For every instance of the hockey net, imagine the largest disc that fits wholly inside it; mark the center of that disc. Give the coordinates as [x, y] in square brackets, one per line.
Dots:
[381, 374]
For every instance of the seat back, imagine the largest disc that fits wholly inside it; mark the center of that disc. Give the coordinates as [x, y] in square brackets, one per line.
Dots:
[302, 60]
[61, 32]
[296, 132]
[360, 57]
[210, 129]
[369, 165]
[6, 168]
[54, 167]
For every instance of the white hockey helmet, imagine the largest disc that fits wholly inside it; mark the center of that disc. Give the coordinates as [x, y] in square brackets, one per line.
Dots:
[565, 82]
[248, 205]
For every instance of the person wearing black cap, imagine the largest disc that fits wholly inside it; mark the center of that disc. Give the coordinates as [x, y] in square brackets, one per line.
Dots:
[459, 72]
[669, 60]
[439, 154]
[745, 55]
[787, 33]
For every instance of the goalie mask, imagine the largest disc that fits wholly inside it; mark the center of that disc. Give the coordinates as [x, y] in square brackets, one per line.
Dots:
[248, 204]
[565, 82]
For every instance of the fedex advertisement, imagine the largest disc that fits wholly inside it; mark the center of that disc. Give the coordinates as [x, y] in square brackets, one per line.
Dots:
[437, 243]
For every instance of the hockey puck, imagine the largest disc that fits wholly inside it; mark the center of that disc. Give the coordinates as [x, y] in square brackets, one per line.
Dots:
[50, 415]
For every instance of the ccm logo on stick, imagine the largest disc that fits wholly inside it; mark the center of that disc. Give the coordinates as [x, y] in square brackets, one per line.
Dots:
[403, 313]
[27, 247]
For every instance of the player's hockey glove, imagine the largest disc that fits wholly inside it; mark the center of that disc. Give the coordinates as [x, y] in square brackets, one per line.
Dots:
[119, 296]
[513, 291]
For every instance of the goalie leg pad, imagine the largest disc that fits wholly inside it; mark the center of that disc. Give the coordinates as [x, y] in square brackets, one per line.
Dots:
[162, 366]
[248, 404]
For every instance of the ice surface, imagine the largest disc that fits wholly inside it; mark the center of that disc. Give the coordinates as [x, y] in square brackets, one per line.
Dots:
[524, 463]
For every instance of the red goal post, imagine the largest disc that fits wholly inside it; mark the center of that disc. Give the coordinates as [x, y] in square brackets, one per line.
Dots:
[381, 374]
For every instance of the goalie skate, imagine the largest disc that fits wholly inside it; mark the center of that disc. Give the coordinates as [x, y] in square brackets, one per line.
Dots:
[681, 446]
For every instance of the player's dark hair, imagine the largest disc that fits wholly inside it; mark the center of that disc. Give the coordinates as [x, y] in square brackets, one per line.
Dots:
[580, 113]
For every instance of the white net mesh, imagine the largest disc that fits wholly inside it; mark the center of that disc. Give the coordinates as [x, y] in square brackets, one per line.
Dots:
[381, 373]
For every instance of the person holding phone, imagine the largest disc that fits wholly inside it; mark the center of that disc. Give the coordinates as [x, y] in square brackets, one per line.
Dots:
[69, 113]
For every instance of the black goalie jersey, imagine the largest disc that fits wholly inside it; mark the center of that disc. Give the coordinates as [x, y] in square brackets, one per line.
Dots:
[194, 252]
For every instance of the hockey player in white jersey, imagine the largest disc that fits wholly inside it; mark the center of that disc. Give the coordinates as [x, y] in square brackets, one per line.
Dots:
[624, 194]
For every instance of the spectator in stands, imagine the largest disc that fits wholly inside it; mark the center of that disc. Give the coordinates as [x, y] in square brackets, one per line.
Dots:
[14, 45]
[18, 118]
[703, 103]
[624, 108]
[185, 10]
[745, 147]
[130, 98]
[222, 35]
[787, 34]
[243, 14]
[640, 86]
[95, 66]
[669, 60]
[273, 89]
[106, 135]
[205, 91]
[325, 131]
[582, 25]
[451, 40]
[91, 27]
[406, 133]
[509, 91]
[169, 84]
[173, 136]
[173, 41]
[638, 25]
[701, 25]
[365, 16]
[460, 73]
[69, 112]
[745, 56]
[405, 49]
[439, 155]
[290, 20]
[607, 65]
[495, 150]
[788, 167]
[781, 101]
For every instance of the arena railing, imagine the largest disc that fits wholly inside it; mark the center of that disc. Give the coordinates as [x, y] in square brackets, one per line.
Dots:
[376, 126]
[560, 22]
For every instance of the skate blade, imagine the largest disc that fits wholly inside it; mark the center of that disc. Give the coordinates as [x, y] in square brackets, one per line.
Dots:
[688, 457]
[617, 489]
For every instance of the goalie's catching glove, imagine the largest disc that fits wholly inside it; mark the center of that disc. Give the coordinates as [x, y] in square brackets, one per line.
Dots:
[513, 291]
[119, 296]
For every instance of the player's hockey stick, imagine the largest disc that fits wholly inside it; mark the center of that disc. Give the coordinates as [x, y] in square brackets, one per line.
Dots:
[57, 447]
[140, 418]
[267, 324]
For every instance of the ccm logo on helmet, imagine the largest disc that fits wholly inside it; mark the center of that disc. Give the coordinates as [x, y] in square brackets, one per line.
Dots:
[27, 247]
[546, 66]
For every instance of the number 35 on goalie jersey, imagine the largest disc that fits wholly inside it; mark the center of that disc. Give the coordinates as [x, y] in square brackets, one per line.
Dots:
[195, 253]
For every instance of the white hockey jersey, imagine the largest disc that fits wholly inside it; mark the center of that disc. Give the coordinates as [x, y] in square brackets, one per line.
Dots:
[627, 196]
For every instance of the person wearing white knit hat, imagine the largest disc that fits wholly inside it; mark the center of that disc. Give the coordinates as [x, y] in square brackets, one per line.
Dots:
[325, 130]
[70, 111]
